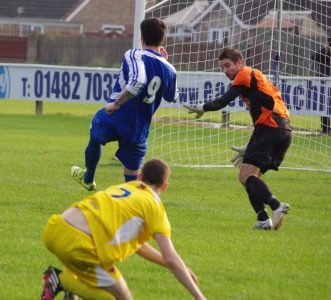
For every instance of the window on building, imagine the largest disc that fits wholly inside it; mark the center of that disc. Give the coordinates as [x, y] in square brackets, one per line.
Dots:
[25, 29]
[220, 35]
[112, 28]
[37, 28]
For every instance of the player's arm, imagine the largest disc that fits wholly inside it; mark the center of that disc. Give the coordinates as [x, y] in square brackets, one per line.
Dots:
[219, 103]
[150, 253]
[124, 97]
[177, 266]
[132, 65]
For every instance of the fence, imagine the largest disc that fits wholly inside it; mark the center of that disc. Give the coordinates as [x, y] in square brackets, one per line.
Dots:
[59, 49]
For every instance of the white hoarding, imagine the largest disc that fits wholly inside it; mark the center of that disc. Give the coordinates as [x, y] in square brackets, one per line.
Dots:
[302, 95]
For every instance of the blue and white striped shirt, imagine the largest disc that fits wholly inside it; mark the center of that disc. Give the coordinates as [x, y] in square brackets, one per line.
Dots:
[150, 78]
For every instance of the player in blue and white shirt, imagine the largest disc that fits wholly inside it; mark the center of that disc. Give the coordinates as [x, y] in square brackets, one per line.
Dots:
[146, 77]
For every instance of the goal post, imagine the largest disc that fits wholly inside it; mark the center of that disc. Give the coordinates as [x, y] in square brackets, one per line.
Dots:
[277, 37]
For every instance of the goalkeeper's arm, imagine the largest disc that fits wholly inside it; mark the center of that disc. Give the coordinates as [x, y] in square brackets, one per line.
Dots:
[223, 101]
[217, 104]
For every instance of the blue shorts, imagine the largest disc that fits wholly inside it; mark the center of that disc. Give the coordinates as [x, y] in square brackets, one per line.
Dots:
[130, 154]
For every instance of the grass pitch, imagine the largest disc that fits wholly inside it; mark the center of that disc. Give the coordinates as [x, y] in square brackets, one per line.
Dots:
[208, 209]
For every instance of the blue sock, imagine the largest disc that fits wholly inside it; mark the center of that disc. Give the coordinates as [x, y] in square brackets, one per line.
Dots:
[92, 157]
[130, 177]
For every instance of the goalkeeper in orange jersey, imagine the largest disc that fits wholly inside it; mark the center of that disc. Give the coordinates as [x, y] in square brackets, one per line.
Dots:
[107, 227]
[271, 137]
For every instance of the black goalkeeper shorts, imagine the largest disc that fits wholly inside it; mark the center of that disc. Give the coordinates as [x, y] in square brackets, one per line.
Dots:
[267, 147]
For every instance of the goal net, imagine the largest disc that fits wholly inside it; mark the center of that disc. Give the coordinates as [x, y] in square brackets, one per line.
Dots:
[280, 38]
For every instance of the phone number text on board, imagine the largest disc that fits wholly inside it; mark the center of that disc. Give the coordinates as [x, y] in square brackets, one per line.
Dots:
[69, 85]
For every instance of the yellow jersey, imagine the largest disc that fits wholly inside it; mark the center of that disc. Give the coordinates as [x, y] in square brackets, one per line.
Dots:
[122, 218]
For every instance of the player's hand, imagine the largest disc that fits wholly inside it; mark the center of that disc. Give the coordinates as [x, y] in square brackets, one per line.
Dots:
[164, 52]
[198, 111]
[237, 159]
[111, 107]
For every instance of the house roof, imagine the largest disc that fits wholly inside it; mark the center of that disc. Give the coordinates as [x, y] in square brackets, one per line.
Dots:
[253, 11]
[188, 14]
[222, 4]
[271, 23]
[45, 9]
[289, 18]
[248, 13]
[170, 7]
[197, 11]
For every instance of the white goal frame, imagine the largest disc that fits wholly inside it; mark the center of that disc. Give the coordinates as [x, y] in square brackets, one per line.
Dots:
[182, 141]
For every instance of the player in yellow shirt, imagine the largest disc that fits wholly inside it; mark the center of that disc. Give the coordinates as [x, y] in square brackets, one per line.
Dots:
[107, 227]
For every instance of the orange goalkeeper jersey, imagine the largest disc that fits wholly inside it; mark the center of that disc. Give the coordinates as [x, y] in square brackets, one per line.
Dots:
[263, 99]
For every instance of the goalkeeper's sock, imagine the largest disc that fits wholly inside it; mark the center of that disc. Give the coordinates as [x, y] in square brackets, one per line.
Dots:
[273, 202]
[262, 215]
[256, 204]
[130, 177]
[92, 157]
[72, 284]
[258, 189]
[259, 194]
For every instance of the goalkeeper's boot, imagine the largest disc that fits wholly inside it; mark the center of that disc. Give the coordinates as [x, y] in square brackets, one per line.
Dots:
[263, 225]
[77, 174]
[278, 214]
[52, 284]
